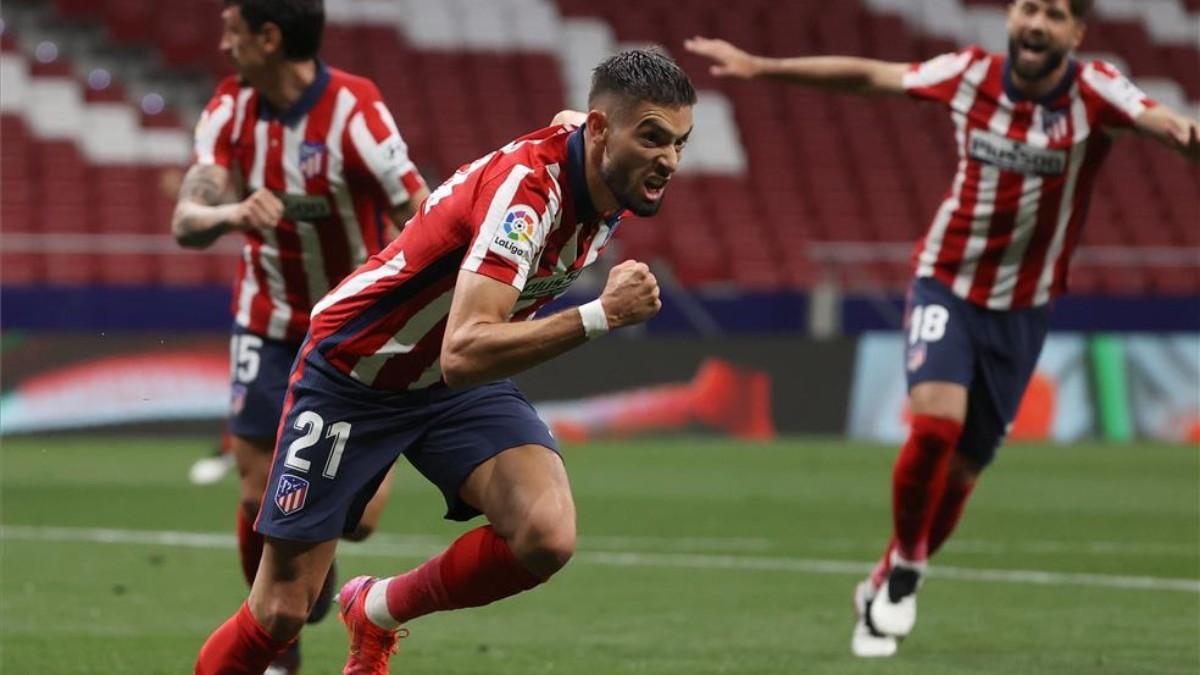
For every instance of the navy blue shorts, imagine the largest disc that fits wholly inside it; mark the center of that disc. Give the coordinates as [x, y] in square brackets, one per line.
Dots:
[992, 353]
[340, 437]
[258, 376]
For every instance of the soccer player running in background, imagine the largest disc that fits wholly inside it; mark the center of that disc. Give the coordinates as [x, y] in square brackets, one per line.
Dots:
[1033, 127]
[305, 162]
[410, 355]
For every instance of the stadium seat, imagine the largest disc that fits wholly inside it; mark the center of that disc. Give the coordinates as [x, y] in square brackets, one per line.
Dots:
[819, 167]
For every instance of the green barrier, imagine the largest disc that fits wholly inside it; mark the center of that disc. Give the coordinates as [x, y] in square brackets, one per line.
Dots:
[1112, 396]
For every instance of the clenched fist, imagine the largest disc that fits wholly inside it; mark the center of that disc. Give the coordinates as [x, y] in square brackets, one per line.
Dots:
[260, 210]
[631, 294]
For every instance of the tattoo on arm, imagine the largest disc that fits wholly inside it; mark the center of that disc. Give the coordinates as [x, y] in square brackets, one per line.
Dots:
[205, 185]
[201, 213]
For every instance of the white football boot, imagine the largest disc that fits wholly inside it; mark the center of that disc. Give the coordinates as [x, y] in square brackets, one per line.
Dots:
[866, 642]
[893, 611]
[209, 470]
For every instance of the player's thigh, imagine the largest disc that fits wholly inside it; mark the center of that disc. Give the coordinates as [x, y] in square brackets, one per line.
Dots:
[940, 350]
[984, 428]
[523, 487]
[253, 459]
[469, 428]
[374, 509]
[1013, 342]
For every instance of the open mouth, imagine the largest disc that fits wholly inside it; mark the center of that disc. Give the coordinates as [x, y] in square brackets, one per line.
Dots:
[653, 187]
[1033, 48]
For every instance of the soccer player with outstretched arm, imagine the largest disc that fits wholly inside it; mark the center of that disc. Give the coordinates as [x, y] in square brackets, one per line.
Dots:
[305, 162]
[1032, 127]
[410, 356]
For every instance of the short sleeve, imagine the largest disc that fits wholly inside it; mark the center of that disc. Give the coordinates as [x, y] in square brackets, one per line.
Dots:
[380, 151]
[511, 220]
[938, 78]
[212, 142]
[1120, 101]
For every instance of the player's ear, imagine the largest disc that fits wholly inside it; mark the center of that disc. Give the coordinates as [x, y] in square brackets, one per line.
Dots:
[1079, 32]
[271, 38]
[597, 125]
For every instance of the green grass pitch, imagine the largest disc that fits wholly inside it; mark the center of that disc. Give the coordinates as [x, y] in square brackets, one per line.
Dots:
[696, 557]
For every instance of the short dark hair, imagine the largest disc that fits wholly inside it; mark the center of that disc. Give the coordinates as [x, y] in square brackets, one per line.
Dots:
[643, 75]
[1080, 9]
[301, 23]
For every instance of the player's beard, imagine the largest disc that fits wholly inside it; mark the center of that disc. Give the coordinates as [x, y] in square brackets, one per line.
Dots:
[627, 189]
[1052, 58]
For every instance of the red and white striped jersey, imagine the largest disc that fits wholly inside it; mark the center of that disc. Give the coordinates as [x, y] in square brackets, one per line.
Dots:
[521, 215]
[338, 163]
[1006, 230]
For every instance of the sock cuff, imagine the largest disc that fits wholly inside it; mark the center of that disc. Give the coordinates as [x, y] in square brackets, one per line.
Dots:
[502, 551]
[943, 428]
[255, 630]
[375, 605]
[898, 560]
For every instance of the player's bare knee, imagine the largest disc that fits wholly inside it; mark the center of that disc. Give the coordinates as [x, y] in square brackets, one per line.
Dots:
[965, 470]
[545, 546]
[249, 507]
[939, 399]
[359, 533]
[282, 616]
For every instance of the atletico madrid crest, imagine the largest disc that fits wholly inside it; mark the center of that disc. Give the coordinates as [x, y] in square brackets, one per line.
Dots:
[312, 159]
[916, 356]
[1056, 125]
[290, 494]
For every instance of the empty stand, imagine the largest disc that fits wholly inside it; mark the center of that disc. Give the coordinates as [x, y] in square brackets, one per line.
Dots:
[819, 168]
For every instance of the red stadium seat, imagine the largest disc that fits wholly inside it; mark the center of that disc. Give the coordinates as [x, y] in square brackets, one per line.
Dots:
[819, 167]
[126, 269]
[21, 268]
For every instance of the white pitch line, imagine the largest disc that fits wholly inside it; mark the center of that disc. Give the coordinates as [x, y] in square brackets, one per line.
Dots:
[420, 546]
[1035, 546]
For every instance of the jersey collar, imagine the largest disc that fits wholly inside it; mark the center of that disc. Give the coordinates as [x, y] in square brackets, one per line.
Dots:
[308, 99]
[585, 210]
[577, 175]
[1063, 86]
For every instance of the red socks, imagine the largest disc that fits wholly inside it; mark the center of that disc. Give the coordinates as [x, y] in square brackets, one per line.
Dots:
[949, 510]
[239, 647]
[250, 546]
[918, 481]
[477, 569]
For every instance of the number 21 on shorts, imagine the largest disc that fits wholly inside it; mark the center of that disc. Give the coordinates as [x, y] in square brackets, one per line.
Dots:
[312, 425]
[927, 323]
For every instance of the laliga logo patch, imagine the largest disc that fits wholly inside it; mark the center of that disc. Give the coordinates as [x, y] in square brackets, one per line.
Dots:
[290, 494]
[518, 225]
[516, 232]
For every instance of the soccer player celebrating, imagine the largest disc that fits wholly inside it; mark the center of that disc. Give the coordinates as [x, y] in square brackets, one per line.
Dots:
[306, 163]
[410, 355]
[1033, 127]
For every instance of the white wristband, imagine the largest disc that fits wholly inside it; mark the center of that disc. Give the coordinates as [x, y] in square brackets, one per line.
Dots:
[595, 320]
